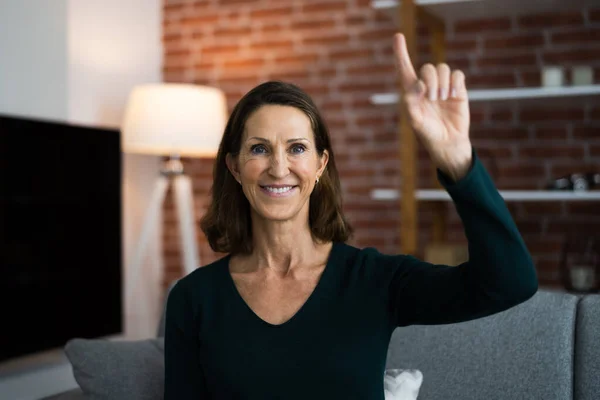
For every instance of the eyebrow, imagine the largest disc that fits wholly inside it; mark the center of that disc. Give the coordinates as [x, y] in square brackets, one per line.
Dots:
[267, 141]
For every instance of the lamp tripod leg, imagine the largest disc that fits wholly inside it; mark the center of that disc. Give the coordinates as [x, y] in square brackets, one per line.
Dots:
[184, 199]
[149, 227]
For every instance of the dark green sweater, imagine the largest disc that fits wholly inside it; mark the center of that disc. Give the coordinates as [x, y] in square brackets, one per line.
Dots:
[335, 347]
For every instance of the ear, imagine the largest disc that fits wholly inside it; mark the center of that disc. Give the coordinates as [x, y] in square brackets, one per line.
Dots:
[323, 160]
[232, 165]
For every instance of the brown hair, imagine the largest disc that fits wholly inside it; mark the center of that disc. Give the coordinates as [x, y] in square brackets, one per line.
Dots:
[227, 223]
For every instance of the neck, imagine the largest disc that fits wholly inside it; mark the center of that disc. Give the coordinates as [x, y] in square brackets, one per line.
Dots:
[285, 246]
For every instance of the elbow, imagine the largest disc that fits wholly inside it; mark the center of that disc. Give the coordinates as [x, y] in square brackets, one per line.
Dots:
[526, 286]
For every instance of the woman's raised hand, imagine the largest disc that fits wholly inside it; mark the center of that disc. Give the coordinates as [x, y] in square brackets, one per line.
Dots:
[438, 110]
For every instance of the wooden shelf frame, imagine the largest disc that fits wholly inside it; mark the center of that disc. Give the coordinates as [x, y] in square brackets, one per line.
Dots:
[434, 14]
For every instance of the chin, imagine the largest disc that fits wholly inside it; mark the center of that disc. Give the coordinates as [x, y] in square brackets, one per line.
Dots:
[271, 213]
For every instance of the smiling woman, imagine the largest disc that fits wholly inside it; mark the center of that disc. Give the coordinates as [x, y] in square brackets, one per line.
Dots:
[292, 311]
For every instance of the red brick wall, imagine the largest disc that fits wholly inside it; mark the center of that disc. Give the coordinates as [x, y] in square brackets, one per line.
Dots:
[340, 52]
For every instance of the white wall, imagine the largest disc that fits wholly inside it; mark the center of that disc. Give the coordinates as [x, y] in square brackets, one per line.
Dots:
[33, 54]
[76, 61]
[114, 45]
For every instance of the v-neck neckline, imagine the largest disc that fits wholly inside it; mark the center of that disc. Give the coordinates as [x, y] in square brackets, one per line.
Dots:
[303, 309]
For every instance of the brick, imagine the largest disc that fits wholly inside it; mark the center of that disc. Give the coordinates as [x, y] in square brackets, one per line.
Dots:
[586, 132]
[549, 208]
[328, 40]
[377, 34]
[244, 63]
[551, 133]
[527, 41]
[271, 12]
[498, 114]
[529, 227]
[201, 20]
[595, 15]
[303, 59]
[272, 27]
[325, 7]
[371, 121]
[574, 224]
[584, 208]
[461, 45]
[365, 70]
[541, 114]
[489, 80]
[550, 20]
[355, 20]
[595, 152]
[350, 54]
[212, 50]
[482, 25]
[231, 32]
[514, 60]
[562, 168]
[502, 133]
[543, 245]
[272, 45]
[531, 78]
[521, 171]
[576, 37]
[353, 87]
[561, 57]
[313, 25]
[543, 152]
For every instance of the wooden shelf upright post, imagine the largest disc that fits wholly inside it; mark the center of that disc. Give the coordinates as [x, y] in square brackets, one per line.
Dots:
[407, 142]
[438, 49]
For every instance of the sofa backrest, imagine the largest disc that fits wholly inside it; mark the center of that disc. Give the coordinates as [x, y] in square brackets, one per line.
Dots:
[525, 352]
[587, 349]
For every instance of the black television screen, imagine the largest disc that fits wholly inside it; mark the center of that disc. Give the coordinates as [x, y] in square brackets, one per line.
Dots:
[60, 234]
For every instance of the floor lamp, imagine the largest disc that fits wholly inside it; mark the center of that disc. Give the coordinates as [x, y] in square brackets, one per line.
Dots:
[174, 120]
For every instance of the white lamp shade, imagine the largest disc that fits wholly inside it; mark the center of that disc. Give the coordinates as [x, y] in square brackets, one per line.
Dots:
[174, 119]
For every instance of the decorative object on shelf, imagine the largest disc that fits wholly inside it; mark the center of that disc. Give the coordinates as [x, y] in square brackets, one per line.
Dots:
[576, 182]
[582, 75]
[553, 76]
[580, 263]
[175, 120]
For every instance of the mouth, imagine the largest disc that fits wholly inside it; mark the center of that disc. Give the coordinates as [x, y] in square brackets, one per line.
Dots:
[278, 190]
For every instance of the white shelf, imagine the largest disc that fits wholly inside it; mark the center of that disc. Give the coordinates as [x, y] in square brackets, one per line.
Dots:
[507, 94]
[508, 195]
[474, 9]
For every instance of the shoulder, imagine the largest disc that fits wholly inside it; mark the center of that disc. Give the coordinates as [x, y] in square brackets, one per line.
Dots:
[371, 265]
[368, 256]
[199, 282]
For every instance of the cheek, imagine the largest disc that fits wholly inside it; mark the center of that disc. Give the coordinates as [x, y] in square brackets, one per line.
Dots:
[253, 167]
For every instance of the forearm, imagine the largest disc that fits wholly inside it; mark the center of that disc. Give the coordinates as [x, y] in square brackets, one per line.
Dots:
[499, 261]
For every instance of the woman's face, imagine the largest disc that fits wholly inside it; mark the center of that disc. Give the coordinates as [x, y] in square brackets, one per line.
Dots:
[278, 162]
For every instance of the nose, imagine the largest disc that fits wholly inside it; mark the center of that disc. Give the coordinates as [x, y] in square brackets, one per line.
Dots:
[278, 167]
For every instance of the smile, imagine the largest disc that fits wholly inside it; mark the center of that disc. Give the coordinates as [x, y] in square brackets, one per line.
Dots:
[280, 191]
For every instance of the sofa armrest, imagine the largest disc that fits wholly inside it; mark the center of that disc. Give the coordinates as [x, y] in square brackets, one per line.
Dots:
[75, 394]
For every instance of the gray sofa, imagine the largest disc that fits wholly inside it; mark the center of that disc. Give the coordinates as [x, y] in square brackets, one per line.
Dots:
[546, 348]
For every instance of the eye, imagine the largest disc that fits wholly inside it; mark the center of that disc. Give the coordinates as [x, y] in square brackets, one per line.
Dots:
[298, 149]
[258, 149]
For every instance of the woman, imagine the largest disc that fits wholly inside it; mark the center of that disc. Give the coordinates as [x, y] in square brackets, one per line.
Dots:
[292, 312]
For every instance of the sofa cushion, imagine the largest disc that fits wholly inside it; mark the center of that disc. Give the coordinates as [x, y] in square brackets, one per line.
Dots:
[525, 352]
[587, 349]
[118, 370]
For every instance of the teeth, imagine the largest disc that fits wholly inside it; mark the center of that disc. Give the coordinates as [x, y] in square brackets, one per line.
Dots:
[279, 190]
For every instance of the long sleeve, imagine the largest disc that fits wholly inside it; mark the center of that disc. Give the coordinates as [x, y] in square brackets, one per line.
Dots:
[184, 378]
[499, 274]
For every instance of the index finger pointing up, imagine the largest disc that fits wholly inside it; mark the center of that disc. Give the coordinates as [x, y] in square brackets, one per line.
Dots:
[408, 76]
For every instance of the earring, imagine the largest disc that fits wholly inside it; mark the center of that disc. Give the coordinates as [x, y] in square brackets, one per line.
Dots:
[317, 180]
